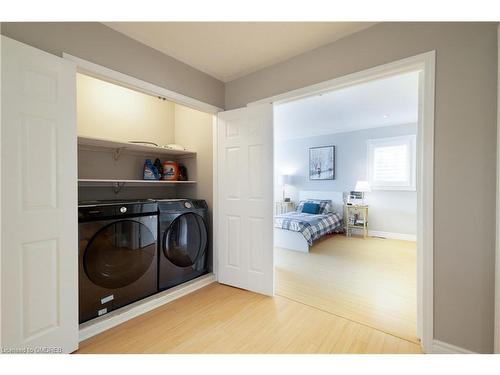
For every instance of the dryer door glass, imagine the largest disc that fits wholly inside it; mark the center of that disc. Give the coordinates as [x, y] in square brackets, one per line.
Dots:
[119, 254]
[185, 240]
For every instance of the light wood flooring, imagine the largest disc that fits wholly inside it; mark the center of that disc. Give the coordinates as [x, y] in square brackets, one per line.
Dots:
[371, 281]
[222, 319]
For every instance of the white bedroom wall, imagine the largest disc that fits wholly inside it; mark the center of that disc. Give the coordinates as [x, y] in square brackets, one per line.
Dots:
[390, 211]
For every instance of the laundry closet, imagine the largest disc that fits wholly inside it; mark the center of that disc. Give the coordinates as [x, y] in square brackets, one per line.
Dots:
[141, 230]
[73, 178]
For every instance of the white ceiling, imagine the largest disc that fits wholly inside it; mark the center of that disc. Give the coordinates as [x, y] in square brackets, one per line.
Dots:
[385, 102]
[229, 50]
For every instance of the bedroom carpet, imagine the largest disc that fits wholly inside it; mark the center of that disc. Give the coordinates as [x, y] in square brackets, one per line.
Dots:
[371, 281]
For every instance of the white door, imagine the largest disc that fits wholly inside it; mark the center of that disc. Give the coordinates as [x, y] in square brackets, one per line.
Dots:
[245, 198]
[39, 246]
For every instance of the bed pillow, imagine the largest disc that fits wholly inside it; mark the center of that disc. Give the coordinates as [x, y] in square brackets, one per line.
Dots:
[310, 208]
[325, 206]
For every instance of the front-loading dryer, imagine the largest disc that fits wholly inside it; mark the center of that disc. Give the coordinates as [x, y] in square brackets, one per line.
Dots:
[117, 254]
[183, 238]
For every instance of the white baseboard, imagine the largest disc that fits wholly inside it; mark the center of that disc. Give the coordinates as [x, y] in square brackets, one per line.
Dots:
[393, 236]
[440, 347]
[98, 325]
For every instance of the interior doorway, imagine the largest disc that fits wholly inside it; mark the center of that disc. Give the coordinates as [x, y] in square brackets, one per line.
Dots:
[346, 202]
[425, 65]
[245, 252]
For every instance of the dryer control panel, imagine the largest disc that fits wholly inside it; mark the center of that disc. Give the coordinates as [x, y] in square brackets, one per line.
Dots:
[176, 205]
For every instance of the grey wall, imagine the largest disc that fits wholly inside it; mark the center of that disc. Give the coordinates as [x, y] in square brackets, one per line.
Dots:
[390, 211]
[98, 43]
[465, 152]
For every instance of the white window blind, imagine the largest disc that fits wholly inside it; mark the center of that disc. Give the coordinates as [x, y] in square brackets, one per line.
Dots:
[391, 163]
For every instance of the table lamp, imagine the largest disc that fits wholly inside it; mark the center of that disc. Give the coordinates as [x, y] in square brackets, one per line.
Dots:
[363, 187]
[284, 180]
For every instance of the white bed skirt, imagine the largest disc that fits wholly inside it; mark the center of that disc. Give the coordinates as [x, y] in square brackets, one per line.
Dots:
[288, 239]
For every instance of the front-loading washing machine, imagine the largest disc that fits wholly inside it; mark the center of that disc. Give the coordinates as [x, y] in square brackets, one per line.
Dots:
[183, 241]
[117, 260]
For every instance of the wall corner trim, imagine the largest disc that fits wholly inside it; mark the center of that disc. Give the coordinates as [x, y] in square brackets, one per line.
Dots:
[497, 226]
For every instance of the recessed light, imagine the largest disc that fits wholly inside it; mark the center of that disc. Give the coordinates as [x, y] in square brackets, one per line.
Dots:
[386, 116]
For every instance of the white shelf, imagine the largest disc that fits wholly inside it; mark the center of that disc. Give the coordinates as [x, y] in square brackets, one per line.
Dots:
[106, 182]
[121, 145]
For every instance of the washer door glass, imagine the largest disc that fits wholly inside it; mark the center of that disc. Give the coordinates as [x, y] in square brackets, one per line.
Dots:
[119, 254]
[185, 240]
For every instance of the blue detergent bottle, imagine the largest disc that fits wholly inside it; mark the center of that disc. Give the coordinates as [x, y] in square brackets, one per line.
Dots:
[150, 171]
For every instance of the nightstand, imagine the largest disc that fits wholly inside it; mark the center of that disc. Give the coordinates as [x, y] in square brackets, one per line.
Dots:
[356, 217]
[283, 207]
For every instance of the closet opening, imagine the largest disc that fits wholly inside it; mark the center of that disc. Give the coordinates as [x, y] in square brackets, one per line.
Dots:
[145, 195]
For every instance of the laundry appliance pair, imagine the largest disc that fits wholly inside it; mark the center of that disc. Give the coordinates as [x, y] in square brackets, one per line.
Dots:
[131, 249]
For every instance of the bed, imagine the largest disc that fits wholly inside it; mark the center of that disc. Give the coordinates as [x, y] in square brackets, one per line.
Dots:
[298, 231]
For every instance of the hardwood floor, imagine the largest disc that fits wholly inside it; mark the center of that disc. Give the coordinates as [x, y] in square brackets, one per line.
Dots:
[222, 319]
[371, 281]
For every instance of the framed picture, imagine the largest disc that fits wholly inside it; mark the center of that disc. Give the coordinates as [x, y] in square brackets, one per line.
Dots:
[322, 163]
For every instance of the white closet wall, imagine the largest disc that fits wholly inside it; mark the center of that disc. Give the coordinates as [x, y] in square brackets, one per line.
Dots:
[109, 111]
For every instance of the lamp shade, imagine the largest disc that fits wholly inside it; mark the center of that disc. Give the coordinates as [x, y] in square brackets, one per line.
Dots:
[287, 179]
[284, 179]
[363, 186]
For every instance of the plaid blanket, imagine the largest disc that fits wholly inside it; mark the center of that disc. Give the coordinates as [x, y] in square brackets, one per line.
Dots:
[311, 226]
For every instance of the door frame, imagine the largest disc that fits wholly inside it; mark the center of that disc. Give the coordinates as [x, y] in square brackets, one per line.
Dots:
[497, 221]
[136, 84]
[425, 63]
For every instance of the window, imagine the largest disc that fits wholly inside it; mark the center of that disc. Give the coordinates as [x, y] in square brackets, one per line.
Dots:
[392, 163]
